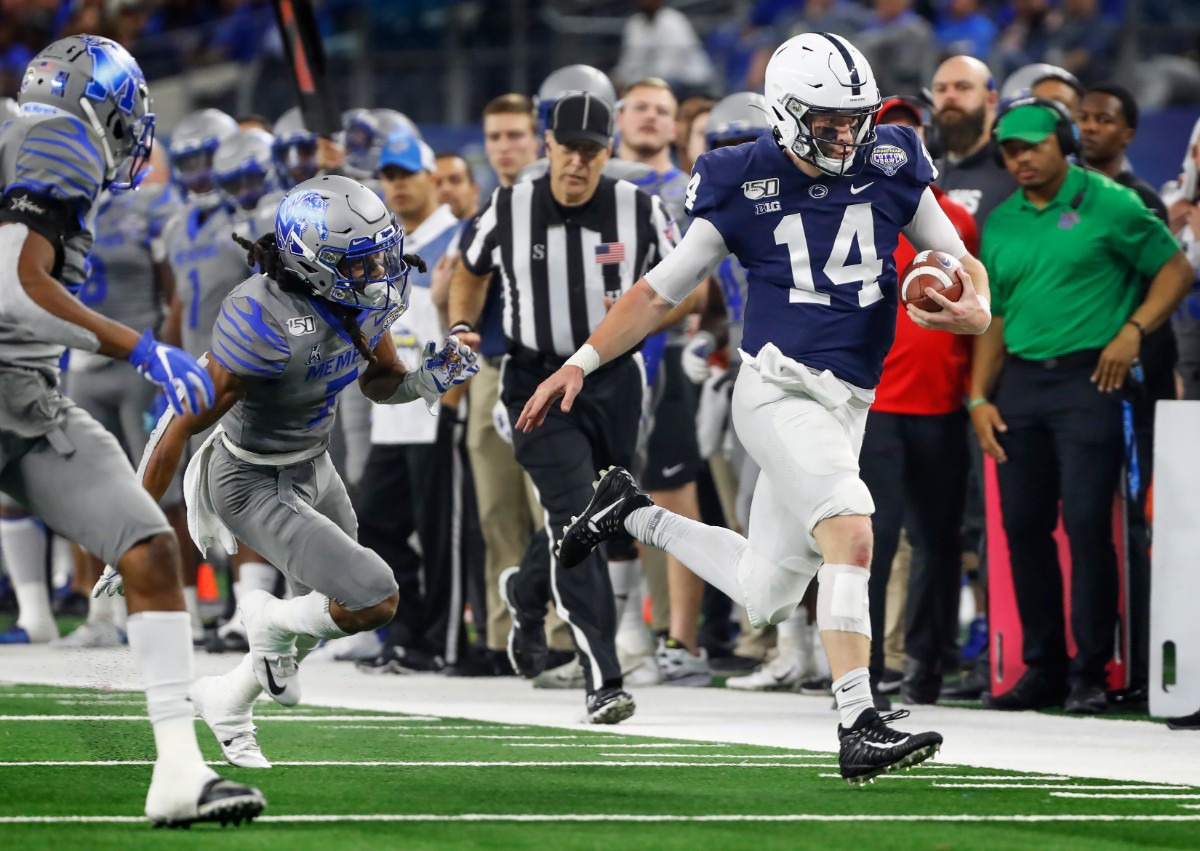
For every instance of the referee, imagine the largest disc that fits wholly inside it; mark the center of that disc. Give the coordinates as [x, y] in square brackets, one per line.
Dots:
[565, 246]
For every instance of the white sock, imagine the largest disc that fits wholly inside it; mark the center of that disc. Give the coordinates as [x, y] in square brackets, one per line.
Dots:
[162, 645]
[710, 552]
[62, 561]
[257, 576]
[853, 695]
[243, 687]
[101, 610]
[307, 615]
[632, 618]
[23, 544]
[793, 636]
[626, 576]
[192, 604]
[120, 614]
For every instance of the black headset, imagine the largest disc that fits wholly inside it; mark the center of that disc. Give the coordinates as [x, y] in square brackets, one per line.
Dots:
[1065, 130]
[1064, 127]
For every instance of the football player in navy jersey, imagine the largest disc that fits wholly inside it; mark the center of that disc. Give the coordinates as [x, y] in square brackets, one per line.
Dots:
[813, 211]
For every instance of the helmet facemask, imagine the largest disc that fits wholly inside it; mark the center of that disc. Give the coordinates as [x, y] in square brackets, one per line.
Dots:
[821, 135]
[369, 275]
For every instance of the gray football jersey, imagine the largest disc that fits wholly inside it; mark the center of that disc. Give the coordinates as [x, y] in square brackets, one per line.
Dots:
[207, 265]
[120, 282]
[295, 358]
[55, 156]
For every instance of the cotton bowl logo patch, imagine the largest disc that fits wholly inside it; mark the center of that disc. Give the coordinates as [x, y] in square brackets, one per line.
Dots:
[296, 214]
[888, 158]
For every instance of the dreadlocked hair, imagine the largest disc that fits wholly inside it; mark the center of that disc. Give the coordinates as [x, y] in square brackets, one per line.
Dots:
[264, 253]
[415, 261]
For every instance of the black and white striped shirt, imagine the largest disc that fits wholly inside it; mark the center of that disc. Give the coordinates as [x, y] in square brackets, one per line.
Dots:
[557, 264]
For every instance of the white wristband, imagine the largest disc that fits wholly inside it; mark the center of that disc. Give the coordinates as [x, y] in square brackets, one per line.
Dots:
[587, 359]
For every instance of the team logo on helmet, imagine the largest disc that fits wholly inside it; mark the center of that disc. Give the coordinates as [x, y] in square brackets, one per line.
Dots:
[296, 214]
[889, 159]
[112, 77]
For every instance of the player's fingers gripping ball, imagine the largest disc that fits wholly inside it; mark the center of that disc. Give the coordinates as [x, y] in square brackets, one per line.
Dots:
[931, 270]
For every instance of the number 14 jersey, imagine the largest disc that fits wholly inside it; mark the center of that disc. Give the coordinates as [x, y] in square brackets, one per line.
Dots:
[817, 250]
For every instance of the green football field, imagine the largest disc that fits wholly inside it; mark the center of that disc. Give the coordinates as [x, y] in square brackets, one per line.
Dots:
[74, 766]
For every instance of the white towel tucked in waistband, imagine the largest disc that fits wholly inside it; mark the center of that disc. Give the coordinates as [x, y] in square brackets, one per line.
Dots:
[204, 524]
[774, 367]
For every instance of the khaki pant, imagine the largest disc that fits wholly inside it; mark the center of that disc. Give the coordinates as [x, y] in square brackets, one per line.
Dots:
[509, 512]
[897, 596]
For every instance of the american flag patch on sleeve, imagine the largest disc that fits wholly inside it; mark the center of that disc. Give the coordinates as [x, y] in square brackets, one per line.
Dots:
[610, 252]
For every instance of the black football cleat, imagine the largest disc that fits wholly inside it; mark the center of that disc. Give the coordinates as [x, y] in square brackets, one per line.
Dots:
[871, 747]
[221, 801]
[617, 495]
[610, 705]
[527, 649]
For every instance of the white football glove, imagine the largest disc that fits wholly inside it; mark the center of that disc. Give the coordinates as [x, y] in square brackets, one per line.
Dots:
[442, 368]
[109, 584]
[695, 356]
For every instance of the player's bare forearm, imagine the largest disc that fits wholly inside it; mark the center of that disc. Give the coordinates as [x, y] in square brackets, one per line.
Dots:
[164, 458]
[172, 328]
[1169, 287]
[979, 275]
[468, 292]
[693, 303]
[381, 383]
[34, 269]
[987, 359]
[381, 379]
[635, 315]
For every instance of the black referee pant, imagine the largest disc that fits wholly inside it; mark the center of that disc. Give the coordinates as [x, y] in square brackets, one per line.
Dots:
[562, 458]
[916, 467]
[426, 489]
[1064, 441]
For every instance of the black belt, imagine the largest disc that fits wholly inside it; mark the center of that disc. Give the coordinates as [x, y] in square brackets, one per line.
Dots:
[1071, 360]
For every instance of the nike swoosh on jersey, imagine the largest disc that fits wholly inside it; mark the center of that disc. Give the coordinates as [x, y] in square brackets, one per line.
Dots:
[854, 190]
[600, 514]
[272, 686]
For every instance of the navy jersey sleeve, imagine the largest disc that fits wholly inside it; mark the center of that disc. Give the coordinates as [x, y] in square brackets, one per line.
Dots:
[707, 189]
[248, 341]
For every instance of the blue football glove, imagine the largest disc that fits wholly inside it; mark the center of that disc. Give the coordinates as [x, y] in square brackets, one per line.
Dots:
[186, 384]
[442, 368]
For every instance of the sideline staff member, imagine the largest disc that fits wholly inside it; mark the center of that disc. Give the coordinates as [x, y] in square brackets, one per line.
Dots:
[1067, 308]
[565, 244]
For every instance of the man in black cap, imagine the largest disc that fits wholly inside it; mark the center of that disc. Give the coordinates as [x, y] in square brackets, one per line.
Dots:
[566, 245]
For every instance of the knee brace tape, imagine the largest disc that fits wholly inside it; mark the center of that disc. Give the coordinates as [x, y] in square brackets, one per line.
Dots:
[842, 599]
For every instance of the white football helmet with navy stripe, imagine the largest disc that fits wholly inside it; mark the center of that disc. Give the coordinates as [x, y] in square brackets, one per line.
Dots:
[821, 73]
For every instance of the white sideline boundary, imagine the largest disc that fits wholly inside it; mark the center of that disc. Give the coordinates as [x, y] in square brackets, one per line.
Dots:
[629, 818]
[1023, 742]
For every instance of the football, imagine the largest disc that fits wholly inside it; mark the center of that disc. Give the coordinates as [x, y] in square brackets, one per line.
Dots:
[931, 270]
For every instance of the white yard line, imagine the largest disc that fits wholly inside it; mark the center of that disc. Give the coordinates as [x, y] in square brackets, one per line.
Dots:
[919, 775]
[1126, 795]
[439, 764]
[258, 718]
[629, 818]
[644, 755]
[623, 745]
[1095, 786]
[420, 729]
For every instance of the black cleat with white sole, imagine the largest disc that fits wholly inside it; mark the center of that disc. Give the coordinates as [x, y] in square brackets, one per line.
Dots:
[617, 496]
[224, 802]
[610, 705]
[871, 747]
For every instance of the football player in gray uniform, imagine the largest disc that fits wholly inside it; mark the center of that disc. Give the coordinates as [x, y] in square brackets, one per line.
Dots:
[84, 111]
[286, 343]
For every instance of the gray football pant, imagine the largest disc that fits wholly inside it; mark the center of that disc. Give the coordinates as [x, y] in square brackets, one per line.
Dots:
[301, 520]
